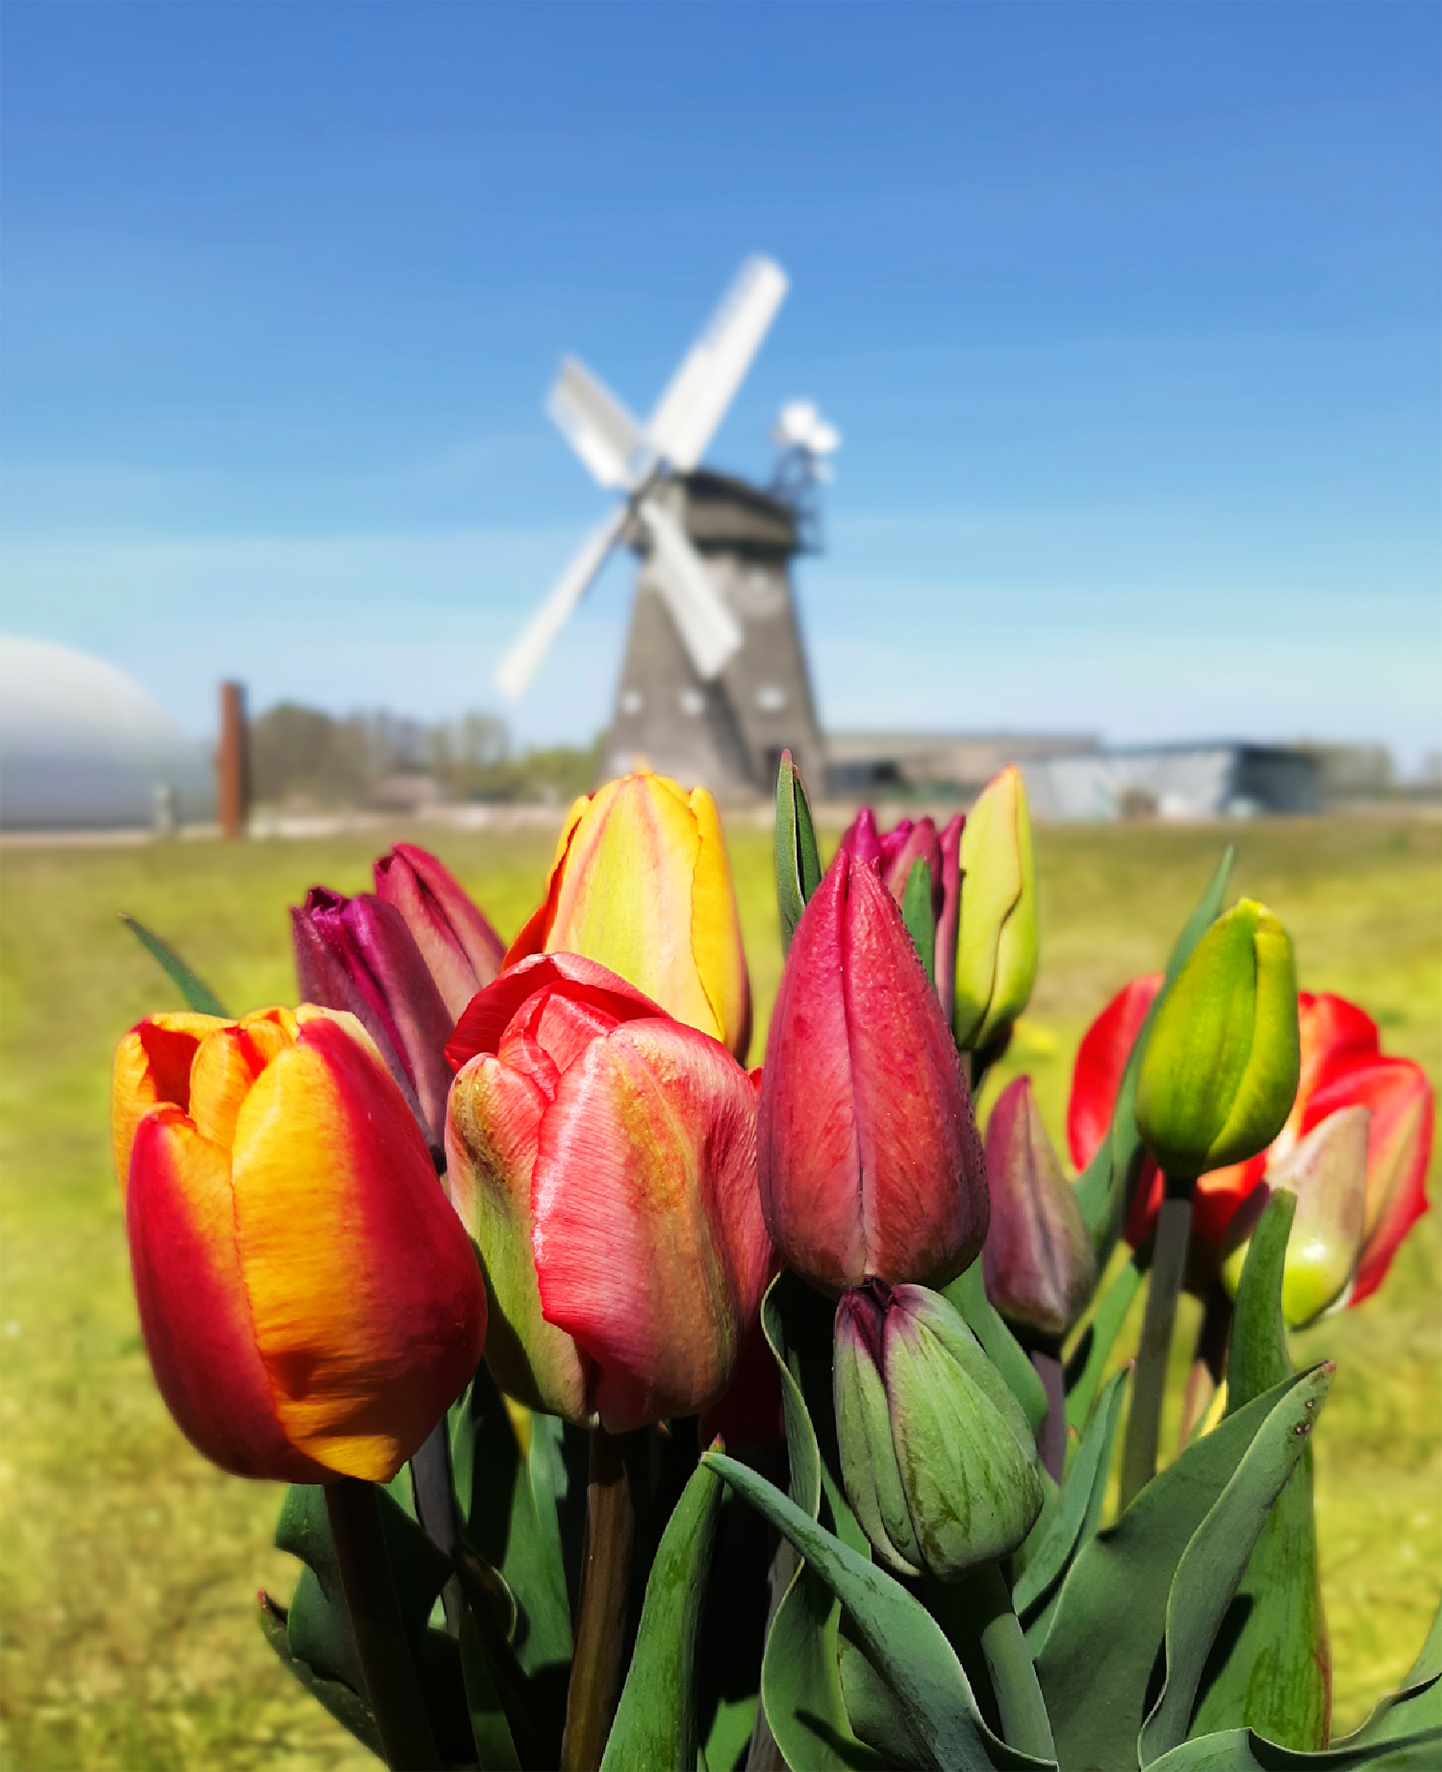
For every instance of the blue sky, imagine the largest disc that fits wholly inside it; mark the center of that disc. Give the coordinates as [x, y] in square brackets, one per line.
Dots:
[1130, 317]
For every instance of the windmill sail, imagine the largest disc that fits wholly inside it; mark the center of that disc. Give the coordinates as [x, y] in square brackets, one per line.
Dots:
[519, 664]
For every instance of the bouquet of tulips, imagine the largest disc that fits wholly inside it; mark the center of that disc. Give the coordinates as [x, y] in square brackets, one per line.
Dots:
[644, 1411]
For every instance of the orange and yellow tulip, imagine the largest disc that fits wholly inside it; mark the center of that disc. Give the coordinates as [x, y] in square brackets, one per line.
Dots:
[640, 883]
[309, 1300]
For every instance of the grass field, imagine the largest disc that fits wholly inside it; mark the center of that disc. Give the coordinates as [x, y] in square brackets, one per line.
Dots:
[127, 1565]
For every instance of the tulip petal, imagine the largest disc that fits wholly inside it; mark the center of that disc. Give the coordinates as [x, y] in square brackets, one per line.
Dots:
[649, 1239]
[152, 1065]
[226, 1066]
[458, 945]
[915, 1134]
[492, 1134]
[492, 1010]
[194, 1307]
[1101, 1061]
[716, 946]
[368, 1306]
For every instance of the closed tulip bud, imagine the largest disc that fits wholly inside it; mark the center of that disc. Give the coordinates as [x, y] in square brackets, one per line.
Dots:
[459, 946]
[1327, 1172]
[358, 955]
[603, 1157]
[870, 1162]
[894, 854]
[936, 1457]
[1396, 1093]
[1039, 1263]
[640, 883]
[997, 938]
[1220, 1068]
[309, 1300]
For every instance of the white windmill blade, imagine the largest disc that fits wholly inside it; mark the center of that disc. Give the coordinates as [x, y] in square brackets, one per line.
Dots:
[708, 629]
[519, 664]
[695, 402]
[596, 425]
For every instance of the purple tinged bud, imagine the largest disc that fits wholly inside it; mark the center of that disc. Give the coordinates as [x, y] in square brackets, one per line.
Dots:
[1039, 1262]
[459, 946]
[358, 954]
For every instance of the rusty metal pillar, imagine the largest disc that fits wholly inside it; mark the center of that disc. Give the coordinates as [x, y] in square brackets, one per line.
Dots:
[232, 764]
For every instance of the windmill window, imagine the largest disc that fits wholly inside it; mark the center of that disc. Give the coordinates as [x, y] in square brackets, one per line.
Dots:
[771, 698]
[630, 701]
[692, 701]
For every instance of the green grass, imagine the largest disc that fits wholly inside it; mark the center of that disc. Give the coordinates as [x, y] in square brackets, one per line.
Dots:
[127, 1565]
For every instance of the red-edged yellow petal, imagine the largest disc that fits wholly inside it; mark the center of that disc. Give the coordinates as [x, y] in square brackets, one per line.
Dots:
[492, 1130]
[368, 1305]
[194, 1309]
[152, 1065]
[716, 931]
[649, 1240]
[226, 1065]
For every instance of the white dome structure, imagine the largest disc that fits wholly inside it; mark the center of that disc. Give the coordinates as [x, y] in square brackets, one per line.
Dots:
[83, 745]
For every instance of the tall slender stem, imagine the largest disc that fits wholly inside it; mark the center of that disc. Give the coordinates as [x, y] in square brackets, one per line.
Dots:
[436, 1509]
[392, 1687]
[1169, 1264]
[605, 1591]
[1209, 1360]
[1024, 1722]
[1051, 1439]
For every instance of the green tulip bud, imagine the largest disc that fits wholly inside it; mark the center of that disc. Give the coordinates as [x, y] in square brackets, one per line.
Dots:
[936, 1456]
[1327, 1172]
[996, 940]
[1221, 1063]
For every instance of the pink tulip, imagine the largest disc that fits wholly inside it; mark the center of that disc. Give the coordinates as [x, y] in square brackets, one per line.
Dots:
[459, 946]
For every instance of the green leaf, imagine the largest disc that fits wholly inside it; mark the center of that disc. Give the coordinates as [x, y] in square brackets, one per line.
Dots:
[800, 1679]
[490, 1730]
[1269, 1665]
[655, 1725]
[507, 1506]
[1072, 1524]
[1097, 1660]
[1213, 1562]
[348, 1708]
[1243, 1750]
[1088, 1363]
[798, 863]
[967, 1296]
[900, 1638]
[197, 993]
[917, 914]
[1106, 1185]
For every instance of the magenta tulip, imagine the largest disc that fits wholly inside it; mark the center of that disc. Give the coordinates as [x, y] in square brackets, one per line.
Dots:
[459, 946]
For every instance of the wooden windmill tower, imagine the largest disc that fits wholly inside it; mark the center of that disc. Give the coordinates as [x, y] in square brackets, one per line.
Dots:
[714, 683]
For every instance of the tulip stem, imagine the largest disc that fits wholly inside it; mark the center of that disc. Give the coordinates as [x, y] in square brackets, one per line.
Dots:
[367, 1580]
[1024, 1722]
[1149, 1383]
[605, 1594]
[433, 1482]
[1051, 1439]
[1209, 1360]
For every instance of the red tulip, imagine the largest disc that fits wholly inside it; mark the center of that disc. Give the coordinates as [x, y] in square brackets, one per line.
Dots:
[459, 946]
[357, 954]
[308, 1300]
[1399, 1144]
[870, 1162]
[603, 1157]
[894, 853]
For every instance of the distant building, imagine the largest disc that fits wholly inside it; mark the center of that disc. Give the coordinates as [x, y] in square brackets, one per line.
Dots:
[1224, 779]
[946, 765]
[83, 745]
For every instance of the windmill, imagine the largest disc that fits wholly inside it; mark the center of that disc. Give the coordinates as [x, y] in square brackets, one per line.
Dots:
[714, 682]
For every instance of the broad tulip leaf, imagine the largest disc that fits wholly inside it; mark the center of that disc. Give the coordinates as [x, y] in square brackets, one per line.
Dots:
[1269, 1665]
[1097, 1660]
[967, 1296]
[507, 1507]
[1212, 1564]
[1417, 1702]
[798, 862]
[1243, 1750]
[655, 1724]
[917, 914]
[197, 993]
[348, 1708]
[490, 1728]
[899, 1636]
[1088, 1363]
[875, 1712]
[1106, 1185]
[1073, 1522]
[800, 1680]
